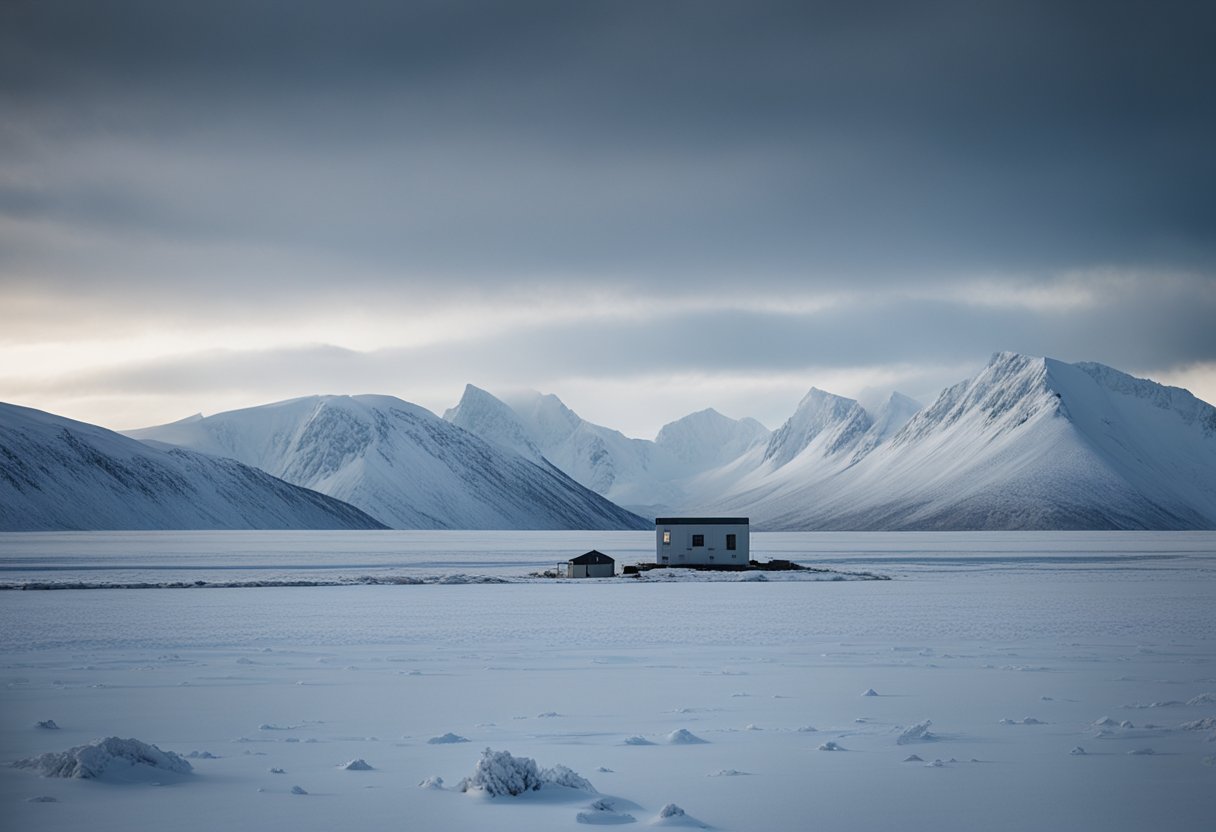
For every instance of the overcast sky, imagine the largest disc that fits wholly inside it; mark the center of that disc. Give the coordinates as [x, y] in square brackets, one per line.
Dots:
[646, 208]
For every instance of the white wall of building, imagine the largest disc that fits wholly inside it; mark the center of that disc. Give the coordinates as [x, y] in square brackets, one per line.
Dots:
[701, 541]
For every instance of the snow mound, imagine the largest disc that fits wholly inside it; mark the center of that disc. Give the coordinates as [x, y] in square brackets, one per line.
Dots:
[560, 775]
[298, 790]
[636, 740]
[1199, 724]
[435, 782]
[916, 733]
[445, 739]
[1078, 751]
[831, 746]
[682, 736]
[357, 765]
[913, 758]
[1104, 722]
[673, 815]
[110, 756]
[47, 724]
[604, 812]
[870, 692]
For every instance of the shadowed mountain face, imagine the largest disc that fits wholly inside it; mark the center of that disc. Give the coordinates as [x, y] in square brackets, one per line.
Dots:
[57, 473]
[400, 463]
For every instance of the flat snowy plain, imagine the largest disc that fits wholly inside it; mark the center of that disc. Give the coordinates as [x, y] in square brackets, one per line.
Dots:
[1013, 645]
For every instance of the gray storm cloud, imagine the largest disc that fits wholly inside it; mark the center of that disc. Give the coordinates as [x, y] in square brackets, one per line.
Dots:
[245, 162]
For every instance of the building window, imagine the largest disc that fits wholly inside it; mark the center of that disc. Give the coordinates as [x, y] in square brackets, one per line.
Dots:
[730, 542]
[698, 540]
[666, 537]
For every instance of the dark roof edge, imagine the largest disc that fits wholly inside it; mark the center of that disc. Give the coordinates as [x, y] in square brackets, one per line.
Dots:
[701, 521]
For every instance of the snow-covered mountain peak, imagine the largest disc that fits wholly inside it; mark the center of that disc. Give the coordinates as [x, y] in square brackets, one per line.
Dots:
[480, 413]
[830, 422]
[707, 438]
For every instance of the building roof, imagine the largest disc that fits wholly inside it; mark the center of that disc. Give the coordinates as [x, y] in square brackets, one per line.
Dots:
[701, 521]
[594, 556]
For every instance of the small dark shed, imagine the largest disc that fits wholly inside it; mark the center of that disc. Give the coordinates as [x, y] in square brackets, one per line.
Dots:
[594, 564]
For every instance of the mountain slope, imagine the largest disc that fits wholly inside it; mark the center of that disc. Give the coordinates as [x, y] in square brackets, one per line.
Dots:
[398, 462]
[56, 473]
[1029, 443]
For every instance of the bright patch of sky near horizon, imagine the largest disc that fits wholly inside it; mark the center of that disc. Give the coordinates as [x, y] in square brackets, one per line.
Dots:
[645, 210]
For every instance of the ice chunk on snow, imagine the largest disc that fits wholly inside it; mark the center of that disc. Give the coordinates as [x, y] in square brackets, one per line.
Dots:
[202, 755]
[435, 782]
[671, 810]
[914, 758]
[603, 811]
[808, 729]
[274, 770]
[916, 733]
[560, 775]
[1203, 699]
[682, 736]
[729, 772]
[673, 815]
[499, 773]
[1078, 751]
[870, 692]
[831, 746]
[298, 790]
[1199, 724]
[357, 765]
[1141, 752]
[42, 799]
[48, 724]
[444, 739]
[111, 755]
[1104, 722]
[636, 740]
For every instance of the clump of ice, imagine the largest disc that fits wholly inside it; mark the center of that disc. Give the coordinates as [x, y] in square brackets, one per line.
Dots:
[1199, 724]
[1104, 722]
[636, 740]
[357, 765]
[202, 755]
[751, 726]
[1126, 724]
[831, 746]
[45, 798]
[916, 733]
[47, 724]
[499, 773]
[603, 812]
[1078, 751]
[444, 739]
[914, 758]
[605, 770]
[729, 772]
[1141, 752]
[548, 715]
[870, 692]
[110, 755]
[673, 815]
[682, 736]
[935, 764]
[298, 790]
[560, 775]
[1203, 699]
[671, 810]
[1025, 721]
[808, 729]
[277, 771]
[435, 782]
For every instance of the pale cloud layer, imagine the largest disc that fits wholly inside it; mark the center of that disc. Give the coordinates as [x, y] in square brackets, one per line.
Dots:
[644, 208]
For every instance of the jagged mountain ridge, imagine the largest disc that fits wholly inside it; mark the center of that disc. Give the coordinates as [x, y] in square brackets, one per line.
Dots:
[1029, 443]
[60, 474]
[400, 463]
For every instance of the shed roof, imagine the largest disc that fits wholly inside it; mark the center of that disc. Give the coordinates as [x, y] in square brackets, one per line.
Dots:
[701, 521]
[594, 556]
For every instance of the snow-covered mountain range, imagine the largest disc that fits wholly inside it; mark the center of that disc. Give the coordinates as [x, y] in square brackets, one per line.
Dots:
[400, 463]
[56, 473]
[1029, 443]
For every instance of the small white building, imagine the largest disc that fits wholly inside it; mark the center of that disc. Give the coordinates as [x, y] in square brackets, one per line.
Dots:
[594, 564]
[701, 541]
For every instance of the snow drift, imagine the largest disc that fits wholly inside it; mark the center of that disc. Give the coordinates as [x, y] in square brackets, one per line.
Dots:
[109, 758]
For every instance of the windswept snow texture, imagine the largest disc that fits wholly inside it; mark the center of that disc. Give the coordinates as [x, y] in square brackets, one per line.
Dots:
[59, 474]
[1029, 443]
[400, 463]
